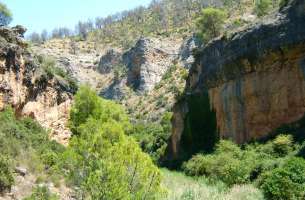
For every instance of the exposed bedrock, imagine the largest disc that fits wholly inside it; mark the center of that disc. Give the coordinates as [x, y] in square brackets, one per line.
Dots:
[26, 87]
[255, 81]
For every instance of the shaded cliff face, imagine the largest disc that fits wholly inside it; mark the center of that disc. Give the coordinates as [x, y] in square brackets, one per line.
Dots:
[186, 57]
[254, 79]
[109, 61]
[148, 61]
[28, 89]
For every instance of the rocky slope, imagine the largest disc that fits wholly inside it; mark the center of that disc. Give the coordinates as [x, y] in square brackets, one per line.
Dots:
[28, 89]
[79, 59]
[245, 85]
[149, 76]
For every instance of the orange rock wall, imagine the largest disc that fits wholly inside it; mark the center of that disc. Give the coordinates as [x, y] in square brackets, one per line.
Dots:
[274, 94]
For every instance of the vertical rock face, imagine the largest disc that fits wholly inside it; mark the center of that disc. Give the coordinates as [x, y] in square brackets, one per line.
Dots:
[147, 61]
[186, 57]
[255, 79]
[111, 59]
[27, 88]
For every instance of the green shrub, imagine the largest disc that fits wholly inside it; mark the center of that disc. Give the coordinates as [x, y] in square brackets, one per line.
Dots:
[101, 159]
[88, 105]
[287, 182]
[42, 193]
[227, 164]
[210, 23]
[262, 7]
[153, 137]
[282, 145]
[283, 3]
[227, 146]
[233, 170]
[6, 176]
[233, 165]
[169, 72]
[199, 165]
[24, 142]
[49, 158]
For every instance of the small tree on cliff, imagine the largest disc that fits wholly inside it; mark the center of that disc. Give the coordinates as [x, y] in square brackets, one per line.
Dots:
[262, 7]
[210, 23]
[5, 15]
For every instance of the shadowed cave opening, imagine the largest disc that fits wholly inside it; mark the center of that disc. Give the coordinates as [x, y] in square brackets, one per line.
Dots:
[200, 129]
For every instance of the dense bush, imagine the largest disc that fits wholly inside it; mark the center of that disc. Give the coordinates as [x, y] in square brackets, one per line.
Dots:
[153, 137]
[88, 105]
[262, 7]
[210, 23]
[225, 164]
[282, 145]
[286, 182]
[233, 165]
[6, 176]
[19, 136]
[101, 159]
[24, 142]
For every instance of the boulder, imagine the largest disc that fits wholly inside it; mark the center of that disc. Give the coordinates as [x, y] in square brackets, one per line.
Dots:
[21, 171]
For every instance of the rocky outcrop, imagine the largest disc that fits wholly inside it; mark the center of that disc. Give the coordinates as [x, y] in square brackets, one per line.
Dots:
[81, 65]
[254, 81]
[28, 89]
[111, 59]
[116, 90]
[147, 62]
[186, 57]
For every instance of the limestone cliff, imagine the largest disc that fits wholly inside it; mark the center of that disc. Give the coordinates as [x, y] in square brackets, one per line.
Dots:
[251, 82]
[186, 57]
[28, 89]
[148, 61]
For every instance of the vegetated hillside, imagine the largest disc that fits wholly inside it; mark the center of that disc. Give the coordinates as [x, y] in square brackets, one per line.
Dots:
[103, 159]
[125, 56]
[148, 77]
[174, 18]
[34, 167]
[26, 155]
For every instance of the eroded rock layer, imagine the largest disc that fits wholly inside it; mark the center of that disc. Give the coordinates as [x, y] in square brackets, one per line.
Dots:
[28, 89]
[254, 79]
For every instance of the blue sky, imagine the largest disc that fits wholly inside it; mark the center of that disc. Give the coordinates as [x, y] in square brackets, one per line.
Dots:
[37, 15]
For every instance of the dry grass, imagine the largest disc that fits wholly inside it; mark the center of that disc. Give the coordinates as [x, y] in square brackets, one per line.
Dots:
[181, 187]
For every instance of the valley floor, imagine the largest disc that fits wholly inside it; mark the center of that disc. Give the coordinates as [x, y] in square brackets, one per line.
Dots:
[182, 187]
